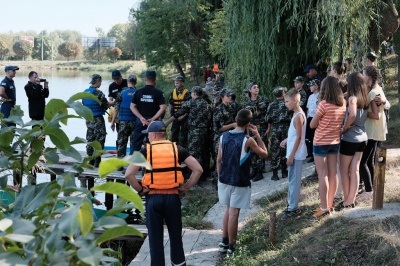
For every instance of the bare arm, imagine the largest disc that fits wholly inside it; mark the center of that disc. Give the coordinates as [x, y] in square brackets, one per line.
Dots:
[315, 121]
[227, 127]
[3, 93]
[375, 111]
[196, 169]
[259, 146]
[115, 115]
[298, 125]
[352, 113]
[219, 158]
[130, 176]
[111, 101]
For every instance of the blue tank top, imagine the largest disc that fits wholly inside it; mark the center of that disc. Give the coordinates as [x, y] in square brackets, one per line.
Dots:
[235, 163]
[97, 110]
[125, 113]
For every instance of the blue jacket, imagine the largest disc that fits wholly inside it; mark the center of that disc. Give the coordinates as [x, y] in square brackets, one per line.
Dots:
[93, 105]
[125, 113]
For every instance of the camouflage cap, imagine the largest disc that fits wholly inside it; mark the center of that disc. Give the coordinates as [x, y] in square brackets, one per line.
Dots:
[95, 78]
[179, 78]
[227, 92]
[278, 91]
[299, 79]
[197, 89]
[314, 82]
[132, 79]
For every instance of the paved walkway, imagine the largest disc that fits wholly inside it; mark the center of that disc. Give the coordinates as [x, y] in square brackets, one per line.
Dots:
[201, 245]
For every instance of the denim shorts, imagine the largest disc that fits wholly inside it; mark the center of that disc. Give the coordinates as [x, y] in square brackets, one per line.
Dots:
[324, 150]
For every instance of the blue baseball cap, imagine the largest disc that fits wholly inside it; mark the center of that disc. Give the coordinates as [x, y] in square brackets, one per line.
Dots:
[156, 126]
[7, 68]
[150, 74]
[309, 67]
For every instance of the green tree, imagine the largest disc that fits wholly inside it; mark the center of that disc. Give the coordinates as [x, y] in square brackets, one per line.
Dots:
[271, 41]
[70, 49]
[22, 48]
[174, 31]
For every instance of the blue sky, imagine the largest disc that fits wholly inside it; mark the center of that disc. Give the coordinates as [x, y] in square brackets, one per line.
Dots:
[81, 15]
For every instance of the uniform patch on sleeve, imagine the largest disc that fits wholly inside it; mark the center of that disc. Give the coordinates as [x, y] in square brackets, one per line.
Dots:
[3, 83]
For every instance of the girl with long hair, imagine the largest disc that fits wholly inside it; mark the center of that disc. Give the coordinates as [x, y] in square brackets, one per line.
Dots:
[327, 120]
[354, 138]
[375, 126]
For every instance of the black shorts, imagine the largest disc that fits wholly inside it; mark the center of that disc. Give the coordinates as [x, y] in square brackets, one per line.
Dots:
[350, 148]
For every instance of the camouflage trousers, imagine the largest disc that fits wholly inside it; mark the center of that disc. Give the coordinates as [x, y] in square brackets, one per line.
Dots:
[96, 130]
[198, 146]
[278, 154]
[125, 132]
[179, 132]
[258, 163]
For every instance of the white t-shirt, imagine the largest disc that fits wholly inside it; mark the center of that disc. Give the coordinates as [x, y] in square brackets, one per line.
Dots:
[312, 104]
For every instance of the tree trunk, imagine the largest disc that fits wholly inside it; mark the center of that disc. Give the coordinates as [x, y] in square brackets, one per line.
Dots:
[179, 68]
[388, 24]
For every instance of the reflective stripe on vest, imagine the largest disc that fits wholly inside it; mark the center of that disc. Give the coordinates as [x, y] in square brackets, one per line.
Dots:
[94, 106]
[125, 113]
[166, 172]
[178, 99]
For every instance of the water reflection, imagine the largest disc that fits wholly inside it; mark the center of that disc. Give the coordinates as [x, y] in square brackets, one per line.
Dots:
[62, 85]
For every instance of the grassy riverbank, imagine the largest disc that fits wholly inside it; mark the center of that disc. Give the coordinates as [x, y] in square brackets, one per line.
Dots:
[334, 240]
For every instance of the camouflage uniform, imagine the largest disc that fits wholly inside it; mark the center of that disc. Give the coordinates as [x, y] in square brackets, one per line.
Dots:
[259, 110]
[279, 117]
[199, 120]
[303, 100]
[96, 129]
[126, 128]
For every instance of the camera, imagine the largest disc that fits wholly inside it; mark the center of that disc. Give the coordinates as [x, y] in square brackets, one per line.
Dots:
[42, 80]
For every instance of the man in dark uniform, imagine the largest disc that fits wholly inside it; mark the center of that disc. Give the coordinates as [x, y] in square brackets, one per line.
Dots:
[96, 129]
[127, 119]
[299, 86]
[163, 204]
[37, 95]
[199, 122]
[278, 118]
[148, 105]
[178, 96]
[7, 92]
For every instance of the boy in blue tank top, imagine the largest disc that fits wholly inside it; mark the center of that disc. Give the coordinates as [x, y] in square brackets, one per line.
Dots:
[296, 152]
[233, 168]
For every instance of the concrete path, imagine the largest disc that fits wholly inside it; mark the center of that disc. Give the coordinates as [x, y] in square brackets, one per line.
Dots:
[201, 245]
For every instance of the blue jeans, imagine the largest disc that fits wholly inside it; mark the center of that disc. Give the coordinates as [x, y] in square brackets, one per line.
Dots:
[294, 175]
[160, 208]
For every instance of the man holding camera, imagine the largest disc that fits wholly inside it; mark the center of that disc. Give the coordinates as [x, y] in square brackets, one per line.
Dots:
[37, 95]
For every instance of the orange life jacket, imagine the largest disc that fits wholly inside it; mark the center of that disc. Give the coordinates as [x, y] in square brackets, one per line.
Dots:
[178, 99]
[166, 172]
[216, 68]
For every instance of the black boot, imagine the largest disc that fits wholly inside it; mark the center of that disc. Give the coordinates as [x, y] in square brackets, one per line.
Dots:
[253, 174]
[97, 162]
[275, 176]
[258, 176]
[284, 172]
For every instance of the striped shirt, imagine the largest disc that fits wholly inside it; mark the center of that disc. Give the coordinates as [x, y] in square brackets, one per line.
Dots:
[328, 129]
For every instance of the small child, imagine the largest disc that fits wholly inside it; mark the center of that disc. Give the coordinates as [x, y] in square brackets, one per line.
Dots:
[311, 107]
[296, 152]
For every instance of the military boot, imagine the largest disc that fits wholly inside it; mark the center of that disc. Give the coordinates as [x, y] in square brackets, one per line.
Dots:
[97, 162]
[275, 176]
[284, 172]
[258, 176]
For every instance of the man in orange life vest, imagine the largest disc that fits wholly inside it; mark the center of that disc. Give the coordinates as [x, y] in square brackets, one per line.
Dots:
[179, 128]
[162, 185]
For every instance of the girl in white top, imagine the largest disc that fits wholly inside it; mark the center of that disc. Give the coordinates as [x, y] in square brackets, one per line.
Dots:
[296, 151]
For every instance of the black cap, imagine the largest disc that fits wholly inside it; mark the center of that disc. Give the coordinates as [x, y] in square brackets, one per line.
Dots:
[179, 78]
[372, 56]
[7, 68]
[116, 74]
[150, 74]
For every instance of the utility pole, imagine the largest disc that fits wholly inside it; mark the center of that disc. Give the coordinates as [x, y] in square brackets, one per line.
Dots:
[42, 45]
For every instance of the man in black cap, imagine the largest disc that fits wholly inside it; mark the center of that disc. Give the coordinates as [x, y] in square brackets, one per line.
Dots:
[179, 127]
[162, 186]
[312, 72]
[7, 92]
[148, 105]
[37, 95]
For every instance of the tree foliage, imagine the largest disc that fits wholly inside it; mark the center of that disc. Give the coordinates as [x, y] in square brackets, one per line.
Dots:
[70, 49]
[22, 48]
[271, 41]
[41, 228]
[174, 31]
[115, 53]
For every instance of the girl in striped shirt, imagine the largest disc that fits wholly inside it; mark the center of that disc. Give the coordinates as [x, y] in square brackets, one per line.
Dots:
[328, 121]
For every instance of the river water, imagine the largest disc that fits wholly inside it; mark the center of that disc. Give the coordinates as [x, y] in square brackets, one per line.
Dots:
[62, 85]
